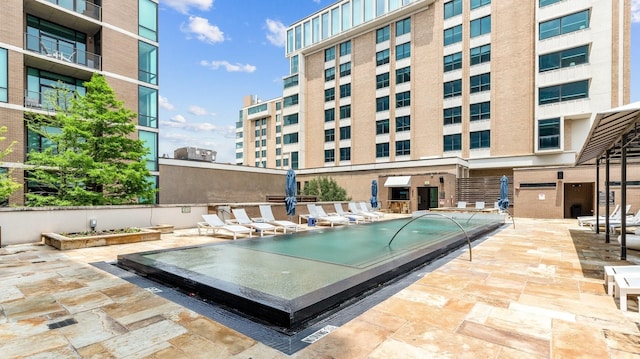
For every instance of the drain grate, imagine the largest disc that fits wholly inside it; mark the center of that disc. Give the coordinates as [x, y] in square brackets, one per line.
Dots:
[319, 334]
[62, 323]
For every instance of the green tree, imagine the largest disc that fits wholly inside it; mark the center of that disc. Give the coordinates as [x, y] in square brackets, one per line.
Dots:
[91, 157]
[325, 189]
[7, 184]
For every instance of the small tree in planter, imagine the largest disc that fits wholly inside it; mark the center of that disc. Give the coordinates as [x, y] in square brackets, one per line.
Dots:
[325, 189]
[7, 184]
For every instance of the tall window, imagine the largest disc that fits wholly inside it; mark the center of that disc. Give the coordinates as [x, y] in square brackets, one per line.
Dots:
[382, 104]
[148, 19]
[290, 100]
[564, 58]
[4, 75]
[403, 123]
[382, 34]
[452, 142]
[480, 83]
[549, 134]
[294, 160]
[345, 154]
[478, 3]
[452, 88]
[480, 111]
[147, 107]
[403, 75]
[452, 115]
[452, 8]
[330, 74]
[382, 80]
[345, 111]
[345, 69]
[329, 54]
[329, 155]
[345, 132]
[294, 65]
[329, 135]
[345, 90]
[403, 148]
[382, 57]
[452, 62]
[290, 119]
[563, 92]
[147, 63]
[564, 25]
[480, 54]
[345, 48]
[382, 150]
[329, 94]
[481, 26]
[403, 99]
[150, 140]
[403, 51]
[329, 115]
[382, 127]
[453, 35]
[480, 139]
[403, 27]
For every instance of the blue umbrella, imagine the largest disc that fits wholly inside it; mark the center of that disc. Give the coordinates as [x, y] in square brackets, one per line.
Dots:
[374, 194]
[290, 192]
[503, 203]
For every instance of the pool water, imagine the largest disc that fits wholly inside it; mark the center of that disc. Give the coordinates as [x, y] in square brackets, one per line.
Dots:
[290, 279]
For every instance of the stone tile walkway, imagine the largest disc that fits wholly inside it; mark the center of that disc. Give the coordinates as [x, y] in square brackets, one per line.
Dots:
[534, 291]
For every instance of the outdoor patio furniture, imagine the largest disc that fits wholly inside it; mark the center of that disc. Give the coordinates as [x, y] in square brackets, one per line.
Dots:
[321, 217]
[352, 216]
[365, 208]
[353, 208]
[213, 223]
[626, 285]
[583, 220]
[611, 271]
[242, 218]
[268, 217]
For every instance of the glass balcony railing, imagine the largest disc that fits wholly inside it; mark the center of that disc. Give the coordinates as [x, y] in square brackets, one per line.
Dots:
[63, 51]
[81, 7]
[49, 101]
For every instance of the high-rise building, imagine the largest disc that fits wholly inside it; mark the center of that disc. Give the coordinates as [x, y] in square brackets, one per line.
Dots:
[47, 44]
[456, 89]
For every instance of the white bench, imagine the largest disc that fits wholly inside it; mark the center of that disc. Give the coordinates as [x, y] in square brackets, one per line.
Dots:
[626, 285]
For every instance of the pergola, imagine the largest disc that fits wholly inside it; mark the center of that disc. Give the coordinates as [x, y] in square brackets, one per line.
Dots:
[614, 138]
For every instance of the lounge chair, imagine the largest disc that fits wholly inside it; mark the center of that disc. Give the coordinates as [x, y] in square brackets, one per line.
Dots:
[213, 223]
[479, 206]
[352, 216]
[583, 220]
[267, 216]
[353, 208]
[321, 216]
[630, 222]
[614, 217]
[365, 208]
[242, 218]
[462, 204]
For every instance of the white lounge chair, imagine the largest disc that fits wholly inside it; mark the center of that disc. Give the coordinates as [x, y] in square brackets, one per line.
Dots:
[267, 216]
[462, 204]
[321, 216]
[352, 216]
[614, 217]
[630, 222]
[243, 219]
[479, 205]
[353, 208]
[365, 208]
[213, 223]
[583, 220]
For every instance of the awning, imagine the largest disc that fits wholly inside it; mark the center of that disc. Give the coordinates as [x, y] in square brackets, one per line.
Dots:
[398, 181]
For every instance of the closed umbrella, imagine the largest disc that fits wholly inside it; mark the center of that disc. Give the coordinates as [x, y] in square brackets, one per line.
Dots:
[374, 194]
[290, 193]
[503, 203]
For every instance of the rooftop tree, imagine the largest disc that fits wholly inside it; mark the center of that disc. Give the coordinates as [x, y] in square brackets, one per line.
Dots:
[92, 157]
[325, 189]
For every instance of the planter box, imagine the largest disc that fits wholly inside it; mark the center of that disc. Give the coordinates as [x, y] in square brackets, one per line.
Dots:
[62, 242]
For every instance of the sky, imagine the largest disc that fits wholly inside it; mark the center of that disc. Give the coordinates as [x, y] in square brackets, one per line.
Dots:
[215, 52]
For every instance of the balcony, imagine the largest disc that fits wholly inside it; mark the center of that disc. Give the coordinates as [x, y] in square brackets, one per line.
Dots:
[63, 53]
[80, 15]
[81, 7]
[46, 101]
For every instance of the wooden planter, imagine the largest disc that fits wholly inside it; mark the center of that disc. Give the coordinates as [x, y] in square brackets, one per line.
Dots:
[62, 242]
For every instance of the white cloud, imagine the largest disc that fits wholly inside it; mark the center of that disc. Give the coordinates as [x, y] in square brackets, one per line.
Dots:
[164, 103]
[276, 32]
[202, 30]
[214, 65]
[635, 10]
[183, 6]
[178, 119]
[198, 111]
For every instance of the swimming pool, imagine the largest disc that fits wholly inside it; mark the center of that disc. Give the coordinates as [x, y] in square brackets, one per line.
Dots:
[288, 280]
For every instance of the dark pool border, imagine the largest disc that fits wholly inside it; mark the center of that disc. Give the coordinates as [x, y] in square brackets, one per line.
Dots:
[289, 316]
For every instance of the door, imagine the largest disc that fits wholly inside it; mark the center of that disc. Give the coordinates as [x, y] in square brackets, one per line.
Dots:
[427, 198]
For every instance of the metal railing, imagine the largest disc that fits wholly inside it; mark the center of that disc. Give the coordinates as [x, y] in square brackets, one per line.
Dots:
[63, 51]
[47, 101]
[81, 7]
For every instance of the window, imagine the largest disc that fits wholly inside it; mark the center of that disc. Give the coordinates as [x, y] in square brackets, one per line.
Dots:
[382, 127]
[403, 148]
[452, 88]
[403, 51]
[345, 154]
[403, 27]
[147, 63]
[452, 115]
[329, 115]
[345, 48]
[345, 111]
[335, 21]
[329, 135]
[480, 83]
[255, 109]
[452, 35]
[264, 132]
[330, 74]
[564, 58]
[544, 3]
[382, 34]
[480, 111]
[452, 8]
[290, 81]
[294, 65]
[278, 140]
[403, 123]
[278, 162]
[148, 19]
[382, 57]
[345, 90]
[479, 3]
[452, 62]
[382, 150]
[403, 99]
[329, 54]
[480, 54]
[290, 138]
[549, 134]
[345, 132]
[39, 143]
[278, 151]
[329, 155]
[564, 25]
[290, 119]
[382, 80]
[481, 26]
[294, 160]
[382, 104]
[563, 92]
[147, 107]
[289, 41]
[298, 38]
[329, 94]
[345, 69]
[150, 142]
[257, 143]
[278, 128]
[480, 139]
[403, 75]
[452, 142]
[4, 75]
[290, 100]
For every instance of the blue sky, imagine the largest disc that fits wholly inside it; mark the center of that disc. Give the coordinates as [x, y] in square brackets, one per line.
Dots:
[215, 52]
